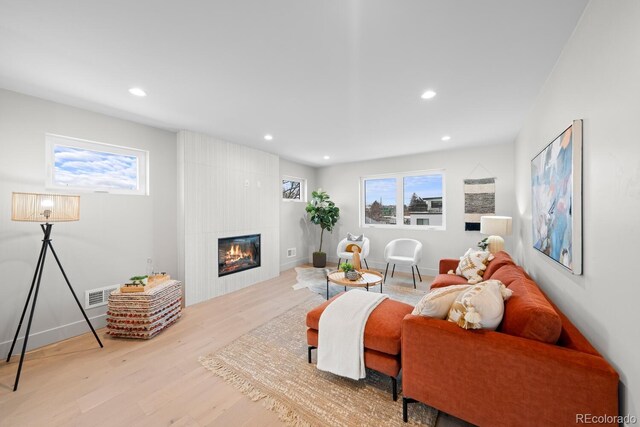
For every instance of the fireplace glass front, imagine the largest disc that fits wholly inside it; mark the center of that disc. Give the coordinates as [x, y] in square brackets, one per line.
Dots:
[238, 253]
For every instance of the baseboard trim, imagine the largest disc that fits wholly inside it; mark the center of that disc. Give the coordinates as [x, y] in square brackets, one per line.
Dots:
[293, 264]
[53, 335]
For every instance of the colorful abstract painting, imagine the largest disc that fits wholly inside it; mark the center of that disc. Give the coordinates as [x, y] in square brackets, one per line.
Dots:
[556, 175]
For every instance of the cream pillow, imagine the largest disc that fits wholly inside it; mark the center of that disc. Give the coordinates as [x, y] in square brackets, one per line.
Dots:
[438, 302]
[472, 265]
[481, 306]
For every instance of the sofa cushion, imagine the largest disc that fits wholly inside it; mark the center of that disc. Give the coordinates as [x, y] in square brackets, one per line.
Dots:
[473, 264]
[528, 314]
[481, 306]
[443, 280]
[384, 326]
[509, 273]
[438, 302]
[499, 260]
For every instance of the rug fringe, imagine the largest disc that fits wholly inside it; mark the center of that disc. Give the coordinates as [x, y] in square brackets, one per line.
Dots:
[284, 412]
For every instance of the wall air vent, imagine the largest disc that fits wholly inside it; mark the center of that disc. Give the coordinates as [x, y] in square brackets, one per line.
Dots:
[291, 252]
[97, 297]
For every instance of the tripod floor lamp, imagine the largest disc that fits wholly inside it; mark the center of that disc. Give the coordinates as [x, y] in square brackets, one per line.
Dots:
[45, 209]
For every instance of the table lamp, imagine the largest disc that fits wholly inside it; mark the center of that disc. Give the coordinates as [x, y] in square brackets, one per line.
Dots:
[45, 209]
[495, 227]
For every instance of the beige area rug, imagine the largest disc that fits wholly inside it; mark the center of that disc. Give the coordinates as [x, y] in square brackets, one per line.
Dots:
[269, 364]
[315, 279]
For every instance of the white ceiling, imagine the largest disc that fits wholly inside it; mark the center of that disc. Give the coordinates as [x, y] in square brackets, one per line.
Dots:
[327, 77]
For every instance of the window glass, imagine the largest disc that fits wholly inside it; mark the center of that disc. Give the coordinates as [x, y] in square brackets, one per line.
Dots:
[290, 189]
[294, 189]
[85, 165]
[423, 199]
[410, 199]
[380, 201]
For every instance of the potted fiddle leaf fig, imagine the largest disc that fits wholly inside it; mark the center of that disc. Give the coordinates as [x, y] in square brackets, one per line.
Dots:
[323, 212]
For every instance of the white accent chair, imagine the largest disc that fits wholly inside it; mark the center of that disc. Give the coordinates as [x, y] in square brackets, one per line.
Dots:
[403, 252]
[342, 251]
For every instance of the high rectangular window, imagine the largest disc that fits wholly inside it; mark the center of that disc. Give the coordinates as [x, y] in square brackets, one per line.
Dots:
[404, 200]
[294, 189]
[80, 165]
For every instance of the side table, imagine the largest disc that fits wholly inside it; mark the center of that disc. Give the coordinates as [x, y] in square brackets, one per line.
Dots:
[143, 315]
[367, 278]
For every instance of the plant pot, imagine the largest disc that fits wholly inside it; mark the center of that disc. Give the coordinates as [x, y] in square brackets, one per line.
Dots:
[319, 259]
[352, 275]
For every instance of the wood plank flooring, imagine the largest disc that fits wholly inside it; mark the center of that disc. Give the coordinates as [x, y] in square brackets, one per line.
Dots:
[150, 383]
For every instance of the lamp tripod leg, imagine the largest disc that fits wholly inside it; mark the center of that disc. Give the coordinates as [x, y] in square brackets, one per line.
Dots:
[45, 241]
[74, 294]
[26, 304]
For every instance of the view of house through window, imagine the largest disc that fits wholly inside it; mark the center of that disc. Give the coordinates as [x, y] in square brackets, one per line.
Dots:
[85, 165]
[294, 189]
[409, 199]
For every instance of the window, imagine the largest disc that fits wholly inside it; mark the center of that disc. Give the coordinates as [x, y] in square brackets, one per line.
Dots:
[380, 201]
[294, 189]
[76, 164]
[404, 200]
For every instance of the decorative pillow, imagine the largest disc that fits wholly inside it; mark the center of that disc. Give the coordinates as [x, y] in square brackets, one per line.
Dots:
[481, 306]
[438, 302]
[472, 265]
[353, 241]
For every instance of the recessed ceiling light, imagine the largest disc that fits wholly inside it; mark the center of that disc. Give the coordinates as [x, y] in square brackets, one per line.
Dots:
[446, 138]
[137, 91]
[326, 157]
[428, 94]
[268, 137]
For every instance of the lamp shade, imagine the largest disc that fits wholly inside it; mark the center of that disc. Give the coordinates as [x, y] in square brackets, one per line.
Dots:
[33, 207]
[495, 225]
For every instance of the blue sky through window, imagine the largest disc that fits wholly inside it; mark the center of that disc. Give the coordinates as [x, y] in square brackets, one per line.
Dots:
[380, 189]
[385, 188]
[424, 186]
[78, 167]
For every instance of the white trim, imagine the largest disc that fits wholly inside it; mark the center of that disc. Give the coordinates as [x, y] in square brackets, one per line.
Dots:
[53, 140]
[303, 188]
[399, 176]
[52, 335]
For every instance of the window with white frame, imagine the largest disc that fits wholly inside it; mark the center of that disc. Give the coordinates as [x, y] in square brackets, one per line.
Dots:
[294, 189]
[404, 200]
[80, 165]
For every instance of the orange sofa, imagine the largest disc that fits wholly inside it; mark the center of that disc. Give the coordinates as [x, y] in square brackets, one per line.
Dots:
[536, 369]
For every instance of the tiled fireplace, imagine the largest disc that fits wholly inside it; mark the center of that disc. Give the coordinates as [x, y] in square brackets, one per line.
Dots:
[238, 253]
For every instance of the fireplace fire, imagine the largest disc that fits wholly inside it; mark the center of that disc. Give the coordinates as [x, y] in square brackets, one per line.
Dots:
[238, 253]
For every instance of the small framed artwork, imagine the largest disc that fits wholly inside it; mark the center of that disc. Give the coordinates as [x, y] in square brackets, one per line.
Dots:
[556, 199]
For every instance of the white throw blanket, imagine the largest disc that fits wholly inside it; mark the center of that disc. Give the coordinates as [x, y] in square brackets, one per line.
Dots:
[341, 334]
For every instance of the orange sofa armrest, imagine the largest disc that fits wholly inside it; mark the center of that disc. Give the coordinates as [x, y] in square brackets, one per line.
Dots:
[466, 373]
[447, 264]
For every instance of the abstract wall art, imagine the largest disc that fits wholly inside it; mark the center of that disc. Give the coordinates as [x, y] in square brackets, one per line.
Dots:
[556, 201]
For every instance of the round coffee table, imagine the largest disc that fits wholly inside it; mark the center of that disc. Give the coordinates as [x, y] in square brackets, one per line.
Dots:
[367, 278]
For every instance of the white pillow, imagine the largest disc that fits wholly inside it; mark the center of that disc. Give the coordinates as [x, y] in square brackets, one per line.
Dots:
[481, 306]
[472, 265]
[438, 302]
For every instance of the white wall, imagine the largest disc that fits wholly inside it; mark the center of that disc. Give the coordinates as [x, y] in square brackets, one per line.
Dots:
[342, 183]
[595, 79]
[115, 235]
[295, 230]
[226, 190]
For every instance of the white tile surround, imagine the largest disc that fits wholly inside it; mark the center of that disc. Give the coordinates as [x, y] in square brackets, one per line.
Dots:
[228, 190]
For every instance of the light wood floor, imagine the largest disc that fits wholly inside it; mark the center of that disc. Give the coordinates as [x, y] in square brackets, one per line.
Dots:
[150, 383]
